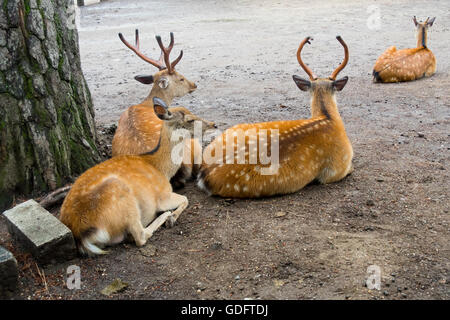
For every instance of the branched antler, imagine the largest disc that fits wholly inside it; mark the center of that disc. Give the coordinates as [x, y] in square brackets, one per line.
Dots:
[164, 61]
[159, 64]
[166, 53]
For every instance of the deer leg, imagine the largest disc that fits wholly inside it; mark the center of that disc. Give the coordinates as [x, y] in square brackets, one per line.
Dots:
[173, 201]
[137, 231]
[158, 222]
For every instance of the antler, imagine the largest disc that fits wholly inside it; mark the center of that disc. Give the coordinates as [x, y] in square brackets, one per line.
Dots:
[415, 21]
[166, 53]
[344, 63]
[311, 74]
[159, 64]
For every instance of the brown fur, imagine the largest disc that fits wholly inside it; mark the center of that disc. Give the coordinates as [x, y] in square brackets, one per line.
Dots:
[316, 148]
[123, 195]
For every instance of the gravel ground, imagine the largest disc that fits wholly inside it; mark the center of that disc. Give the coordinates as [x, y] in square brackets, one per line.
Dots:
[392, 212]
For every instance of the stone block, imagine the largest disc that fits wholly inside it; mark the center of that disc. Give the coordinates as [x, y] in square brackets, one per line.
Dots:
[8, 273]
[40, 233]
[87, 2]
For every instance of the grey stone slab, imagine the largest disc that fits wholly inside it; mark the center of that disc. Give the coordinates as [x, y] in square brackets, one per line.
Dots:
[8, 273]
[39, 232]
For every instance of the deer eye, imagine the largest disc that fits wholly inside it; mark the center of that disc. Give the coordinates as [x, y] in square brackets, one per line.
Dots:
[181, 79]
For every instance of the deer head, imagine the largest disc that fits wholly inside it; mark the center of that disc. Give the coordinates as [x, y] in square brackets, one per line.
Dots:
[422, 28]
[168, 83]
[321, 88]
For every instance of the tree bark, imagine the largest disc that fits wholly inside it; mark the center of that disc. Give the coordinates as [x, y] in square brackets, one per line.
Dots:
[47, 129]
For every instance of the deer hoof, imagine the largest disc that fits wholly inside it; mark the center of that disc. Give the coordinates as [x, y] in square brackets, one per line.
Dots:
[170, 222]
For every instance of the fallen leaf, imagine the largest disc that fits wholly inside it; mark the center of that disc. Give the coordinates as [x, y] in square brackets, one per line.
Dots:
[280, 214]
[278, 283]
[115, 286]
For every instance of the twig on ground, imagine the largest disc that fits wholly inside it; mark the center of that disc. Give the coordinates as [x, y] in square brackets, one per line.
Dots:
[55, 197]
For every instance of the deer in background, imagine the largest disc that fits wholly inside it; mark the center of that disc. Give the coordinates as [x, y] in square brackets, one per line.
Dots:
[123, 195]
[407, 64]
[315, 148]
[138, 131]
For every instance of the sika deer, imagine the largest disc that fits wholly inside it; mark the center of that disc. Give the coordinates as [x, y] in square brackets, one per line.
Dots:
[139, 128]
[316, 148]
[407, 64]
[124, 194]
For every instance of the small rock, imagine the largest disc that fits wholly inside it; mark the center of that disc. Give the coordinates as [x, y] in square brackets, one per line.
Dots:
[370, 203]
[216, 246]
[386, 293]
[148, 251]
[278, 283]
[280, 214]
[115, 287]
[200, 286]
[238, 277]
[420, 135]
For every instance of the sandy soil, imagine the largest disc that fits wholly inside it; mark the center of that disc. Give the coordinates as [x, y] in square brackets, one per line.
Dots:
[393, 211]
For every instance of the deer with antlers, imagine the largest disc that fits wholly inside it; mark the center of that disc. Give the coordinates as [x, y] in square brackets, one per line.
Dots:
[236, 164]
[138, 131]
[407, 64]
[123, 195]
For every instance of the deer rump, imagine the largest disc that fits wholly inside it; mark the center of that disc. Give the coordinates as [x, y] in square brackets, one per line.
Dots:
[403, 65]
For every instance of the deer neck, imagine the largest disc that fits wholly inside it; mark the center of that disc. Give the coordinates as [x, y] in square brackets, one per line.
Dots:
[161, 156]
[162, 94]
[422, 38]
[323, 103]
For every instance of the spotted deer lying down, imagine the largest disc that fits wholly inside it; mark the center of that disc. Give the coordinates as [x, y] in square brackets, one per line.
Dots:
[407, 64]
[139, 127]
[237, 163]
[123, 195]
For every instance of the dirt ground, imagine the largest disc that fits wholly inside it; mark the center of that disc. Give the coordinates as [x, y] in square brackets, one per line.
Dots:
[392, 212]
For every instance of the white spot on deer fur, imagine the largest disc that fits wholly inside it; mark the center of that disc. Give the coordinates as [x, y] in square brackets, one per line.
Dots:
[247, 177]
[245, 189]
[236, 187]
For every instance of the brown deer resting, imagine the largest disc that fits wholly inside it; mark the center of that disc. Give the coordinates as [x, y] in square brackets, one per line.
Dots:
[407, 64]
[139, 128]
[123, 195]
[315, 148]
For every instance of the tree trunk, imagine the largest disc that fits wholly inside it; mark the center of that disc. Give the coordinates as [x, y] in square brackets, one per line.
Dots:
[47, 129]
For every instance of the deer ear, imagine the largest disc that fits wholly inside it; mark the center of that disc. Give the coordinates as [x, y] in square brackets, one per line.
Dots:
[430, 23]
[161, 110]
[301, 83]
[163, 83]
[144, 79]
[340, 83]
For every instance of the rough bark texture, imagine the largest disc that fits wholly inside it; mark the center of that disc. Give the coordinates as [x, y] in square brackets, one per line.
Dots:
[47, 129]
